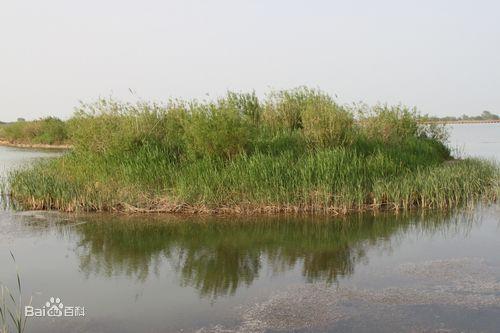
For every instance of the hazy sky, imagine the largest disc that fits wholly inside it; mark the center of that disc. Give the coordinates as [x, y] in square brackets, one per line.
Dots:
[441, 56]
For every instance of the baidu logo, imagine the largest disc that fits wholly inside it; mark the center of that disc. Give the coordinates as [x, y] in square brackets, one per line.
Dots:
[54, 308]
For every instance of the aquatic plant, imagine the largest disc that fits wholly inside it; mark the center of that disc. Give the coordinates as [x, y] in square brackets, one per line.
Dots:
[12, 317]
[296, 151]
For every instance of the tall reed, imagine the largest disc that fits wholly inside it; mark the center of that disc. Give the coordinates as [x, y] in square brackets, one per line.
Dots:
[12, 317]
[296, 151]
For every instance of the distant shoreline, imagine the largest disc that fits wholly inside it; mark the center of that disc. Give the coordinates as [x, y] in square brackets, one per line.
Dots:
[451, 122]
[33, 145]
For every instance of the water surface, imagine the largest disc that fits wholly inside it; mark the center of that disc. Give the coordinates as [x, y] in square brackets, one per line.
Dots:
[418, 272]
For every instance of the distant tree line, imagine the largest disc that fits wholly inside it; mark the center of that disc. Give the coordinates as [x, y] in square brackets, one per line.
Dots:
[485, 115]
[49, 130]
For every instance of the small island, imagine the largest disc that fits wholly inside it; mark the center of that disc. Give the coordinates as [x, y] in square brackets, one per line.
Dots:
[296, 151]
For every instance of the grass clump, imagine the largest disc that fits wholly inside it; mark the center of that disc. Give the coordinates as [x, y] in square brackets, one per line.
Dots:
[295, 151]
[321, 121]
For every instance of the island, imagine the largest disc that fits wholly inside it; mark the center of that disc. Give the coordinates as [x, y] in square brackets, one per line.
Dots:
[295, 151]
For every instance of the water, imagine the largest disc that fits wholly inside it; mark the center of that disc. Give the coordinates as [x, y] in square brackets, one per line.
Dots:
[419, 272]
[479, 140]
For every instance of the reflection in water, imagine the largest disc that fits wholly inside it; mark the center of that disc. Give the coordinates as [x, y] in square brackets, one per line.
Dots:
[425, 273]
[218, 256]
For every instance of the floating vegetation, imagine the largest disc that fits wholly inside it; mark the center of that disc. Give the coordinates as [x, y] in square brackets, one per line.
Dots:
[443, 284]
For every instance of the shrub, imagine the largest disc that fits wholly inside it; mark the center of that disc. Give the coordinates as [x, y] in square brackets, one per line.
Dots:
[218, 129]
[110, 127]
[325, 123]
[105, 126]
[314, 113]
[284, 108]
[248, 105]
[48, 130]
[390, 123]
[51, 131]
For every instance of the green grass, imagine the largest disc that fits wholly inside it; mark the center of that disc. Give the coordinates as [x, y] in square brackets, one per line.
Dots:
[49, 131]
[296, 151]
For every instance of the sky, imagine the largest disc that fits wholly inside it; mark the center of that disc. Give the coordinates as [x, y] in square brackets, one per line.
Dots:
[441, 56]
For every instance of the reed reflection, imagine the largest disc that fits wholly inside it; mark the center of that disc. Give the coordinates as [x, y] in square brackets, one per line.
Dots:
[218, 256]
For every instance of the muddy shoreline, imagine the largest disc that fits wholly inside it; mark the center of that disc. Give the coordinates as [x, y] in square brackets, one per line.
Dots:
[34, 145]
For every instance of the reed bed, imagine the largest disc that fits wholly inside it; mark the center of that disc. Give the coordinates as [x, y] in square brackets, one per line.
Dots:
[297, 151]
[46, 131]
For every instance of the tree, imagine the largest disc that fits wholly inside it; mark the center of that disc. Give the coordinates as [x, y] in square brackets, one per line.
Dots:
[487, 115]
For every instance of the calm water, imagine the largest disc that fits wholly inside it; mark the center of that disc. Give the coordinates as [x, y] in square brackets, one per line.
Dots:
[421, 272]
